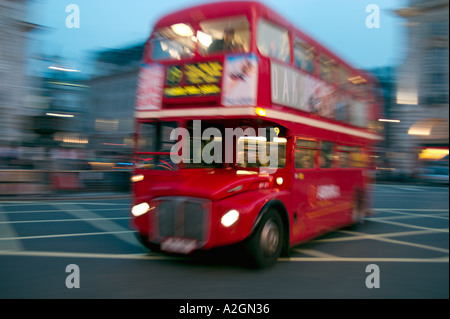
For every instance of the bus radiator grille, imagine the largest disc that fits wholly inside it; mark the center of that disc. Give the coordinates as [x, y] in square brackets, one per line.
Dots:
[182, 217]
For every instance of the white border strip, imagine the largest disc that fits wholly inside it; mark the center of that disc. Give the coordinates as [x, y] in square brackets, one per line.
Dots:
[250, 111]
[207, 111]
[321, 124]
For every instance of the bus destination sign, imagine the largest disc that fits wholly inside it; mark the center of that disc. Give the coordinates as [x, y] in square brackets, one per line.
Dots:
[193, 79]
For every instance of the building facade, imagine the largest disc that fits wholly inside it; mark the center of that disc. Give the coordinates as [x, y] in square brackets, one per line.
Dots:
[422, 93]
[112, 98]
[13, 81]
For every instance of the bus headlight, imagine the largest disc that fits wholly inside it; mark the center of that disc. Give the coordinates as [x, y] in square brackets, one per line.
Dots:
[140, 209]
[137, 178]
[230, 218]
[279, 181]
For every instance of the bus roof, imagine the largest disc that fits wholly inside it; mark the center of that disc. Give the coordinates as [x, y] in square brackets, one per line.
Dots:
[251, 9]
[217, 10]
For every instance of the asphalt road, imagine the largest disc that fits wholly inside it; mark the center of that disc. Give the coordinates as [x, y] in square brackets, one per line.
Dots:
[406, 242]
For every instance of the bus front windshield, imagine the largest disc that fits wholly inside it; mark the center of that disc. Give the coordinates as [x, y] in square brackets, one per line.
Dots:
[209, 144]
[211, 37]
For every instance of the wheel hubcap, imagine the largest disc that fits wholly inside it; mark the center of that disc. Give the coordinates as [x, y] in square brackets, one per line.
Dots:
[270, 238]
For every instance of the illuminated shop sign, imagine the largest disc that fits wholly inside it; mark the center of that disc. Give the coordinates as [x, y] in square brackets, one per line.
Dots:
[195, 79]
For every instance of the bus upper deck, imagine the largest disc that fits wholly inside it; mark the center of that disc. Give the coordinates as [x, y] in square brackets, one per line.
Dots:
[227, 58]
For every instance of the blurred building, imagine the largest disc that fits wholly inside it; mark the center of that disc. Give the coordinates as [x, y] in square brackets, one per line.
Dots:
[13, 81]
[422, 93]
[63, 121]
[112, 98]
[386, 77]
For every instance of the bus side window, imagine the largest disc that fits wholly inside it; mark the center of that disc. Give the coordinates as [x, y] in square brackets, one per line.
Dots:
[166, 142]
[343, 155]
[357, 158]
[343, 76]
[273, 41]
[326, 155]
[304, 56]
[352, 156]
[305, 153]
[146, 141]
[327, 68]
[155, 137]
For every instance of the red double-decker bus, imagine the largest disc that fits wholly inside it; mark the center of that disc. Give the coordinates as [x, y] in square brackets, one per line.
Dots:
[248, 132]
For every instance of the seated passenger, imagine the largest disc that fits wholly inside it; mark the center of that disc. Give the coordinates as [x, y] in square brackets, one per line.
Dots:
[227, 44]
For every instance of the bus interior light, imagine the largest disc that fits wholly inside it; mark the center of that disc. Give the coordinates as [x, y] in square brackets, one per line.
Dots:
[182, 30]
[204, 38]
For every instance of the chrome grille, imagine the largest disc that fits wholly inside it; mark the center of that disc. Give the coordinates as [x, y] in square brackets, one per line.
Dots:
[183, 217]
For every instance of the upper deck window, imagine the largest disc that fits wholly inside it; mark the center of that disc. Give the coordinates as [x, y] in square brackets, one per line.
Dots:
[173, 43]
[327, 68]
[343, 76]
[358, 86]
[224, 35]
[273, 41]
[304, 55]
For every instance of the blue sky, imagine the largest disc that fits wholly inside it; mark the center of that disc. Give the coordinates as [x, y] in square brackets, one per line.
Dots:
[337, 24]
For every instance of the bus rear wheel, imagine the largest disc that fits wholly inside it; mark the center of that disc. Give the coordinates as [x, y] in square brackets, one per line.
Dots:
[264, 247]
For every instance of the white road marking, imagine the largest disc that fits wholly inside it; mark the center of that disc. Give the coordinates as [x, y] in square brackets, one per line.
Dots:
[10, 244]
[98, 221]
[41, 202]
[411, 210]
[379, 237]
[314, 253]
[149, 256]
[115, 233]
[85, 255]
[62, 220]
[435, 213]
[8, 231]
[437, 230]
[54, 211]
[369, 260]
[409, 216]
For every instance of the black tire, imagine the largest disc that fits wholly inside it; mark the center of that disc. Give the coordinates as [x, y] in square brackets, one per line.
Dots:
[144, 241]
[265, 245]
